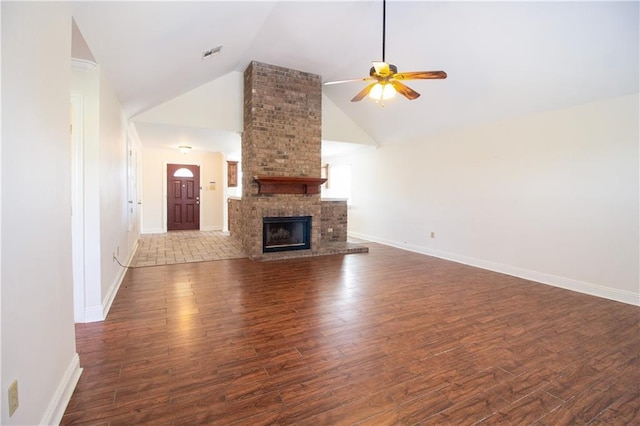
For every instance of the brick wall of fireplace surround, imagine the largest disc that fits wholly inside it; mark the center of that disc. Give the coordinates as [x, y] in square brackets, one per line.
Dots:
[281, 137]
[233, 212]
[334, 220]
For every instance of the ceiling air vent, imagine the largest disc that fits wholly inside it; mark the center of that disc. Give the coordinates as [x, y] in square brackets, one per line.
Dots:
[211, 52]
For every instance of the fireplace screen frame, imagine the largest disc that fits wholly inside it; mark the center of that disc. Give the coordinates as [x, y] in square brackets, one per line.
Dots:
[305, 221]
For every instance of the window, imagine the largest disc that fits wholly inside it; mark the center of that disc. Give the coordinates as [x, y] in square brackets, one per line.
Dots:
[182, 172]
[339, 182]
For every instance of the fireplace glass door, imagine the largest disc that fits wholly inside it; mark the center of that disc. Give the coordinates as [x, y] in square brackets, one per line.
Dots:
[286, 233]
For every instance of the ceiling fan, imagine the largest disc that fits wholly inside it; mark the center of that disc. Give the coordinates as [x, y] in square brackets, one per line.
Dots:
[386, 78]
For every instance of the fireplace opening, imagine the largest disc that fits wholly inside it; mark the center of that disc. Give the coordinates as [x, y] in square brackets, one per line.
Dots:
[286, 233]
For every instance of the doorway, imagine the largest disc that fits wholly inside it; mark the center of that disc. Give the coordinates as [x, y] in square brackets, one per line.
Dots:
[183, 197]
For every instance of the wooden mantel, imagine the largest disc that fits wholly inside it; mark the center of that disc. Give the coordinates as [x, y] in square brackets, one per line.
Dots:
[288, 184]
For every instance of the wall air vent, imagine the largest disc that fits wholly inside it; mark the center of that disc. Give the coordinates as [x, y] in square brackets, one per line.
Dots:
[211, 52]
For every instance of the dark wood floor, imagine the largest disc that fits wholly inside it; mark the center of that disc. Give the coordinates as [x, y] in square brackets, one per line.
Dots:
[389, 337]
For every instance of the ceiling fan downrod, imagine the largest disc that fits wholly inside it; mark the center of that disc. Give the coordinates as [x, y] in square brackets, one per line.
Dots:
[384, 25]
[385, 81]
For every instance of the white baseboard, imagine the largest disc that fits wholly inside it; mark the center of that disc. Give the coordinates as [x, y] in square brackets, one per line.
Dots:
[93, 314]
[154, 231]
[115, 286]
[62, 395]
[164, 231]
[617, 295]
[99, 313]
[111, 294]
[132, 252]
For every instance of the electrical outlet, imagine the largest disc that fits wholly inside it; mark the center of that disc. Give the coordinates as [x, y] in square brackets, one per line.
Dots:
[433, 234]
[13, 397]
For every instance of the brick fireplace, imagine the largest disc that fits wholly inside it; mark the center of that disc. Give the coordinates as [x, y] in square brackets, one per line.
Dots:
[281, 159]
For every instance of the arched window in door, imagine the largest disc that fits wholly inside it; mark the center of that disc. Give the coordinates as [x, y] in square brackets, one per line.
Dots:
[183, 172]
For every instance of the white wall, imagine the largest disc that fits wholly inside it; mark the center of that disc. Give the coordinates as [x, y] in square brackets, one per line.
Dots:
[105, 192]
[552, 197]
[338, 126]
[113, 190]
[38, 339]
[154, 188]
[2, 380]
[216, 105]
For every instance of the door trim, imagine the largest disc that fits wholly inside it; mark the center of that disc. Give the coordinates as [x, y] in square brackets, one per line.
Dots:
[77, 207]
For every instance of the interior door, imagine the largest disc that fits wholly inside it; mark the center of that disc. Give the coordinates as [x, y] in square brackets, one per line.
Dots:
[183, 197]
[132, 191]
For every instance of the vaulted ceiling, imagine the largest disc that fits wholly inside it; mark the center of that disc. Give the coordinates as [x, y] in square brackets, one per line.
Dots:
[502, 58]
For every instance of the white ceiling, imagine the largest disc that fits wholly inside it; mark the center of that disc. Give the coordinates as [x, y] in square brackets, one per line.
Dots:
[502, 58]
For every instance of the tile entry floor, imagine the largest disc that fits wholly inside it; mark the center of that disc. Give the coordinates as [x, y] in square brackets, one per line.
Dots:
[185, 247]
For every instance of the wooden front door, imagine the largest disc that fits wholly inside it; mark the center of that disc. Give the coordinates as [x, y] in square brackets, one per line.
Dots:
[183, 197]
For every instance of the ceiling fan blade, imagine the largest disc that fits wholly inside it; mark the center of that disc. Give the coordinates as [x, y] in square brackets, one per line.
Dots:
[351, 80]
[382, 69]
[405, 91]
[420, 75]
[364, 92]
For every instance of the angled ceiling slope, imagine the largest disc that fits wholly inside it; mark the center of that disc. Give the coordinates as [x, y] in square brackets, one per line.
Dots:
[151, 51]
[502, 58]
[214, 105]
[210, 117]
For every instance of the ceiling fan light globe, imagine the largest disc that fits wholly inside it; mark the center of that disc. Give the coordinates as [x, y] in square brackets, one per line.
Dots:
[376, 92]
[388, 92]
[382, 92]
